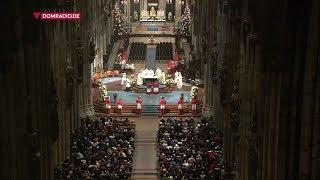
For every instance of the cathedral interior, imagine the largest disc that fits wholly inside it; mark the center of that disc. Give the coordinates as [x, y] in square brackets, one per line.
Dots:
[161, 89]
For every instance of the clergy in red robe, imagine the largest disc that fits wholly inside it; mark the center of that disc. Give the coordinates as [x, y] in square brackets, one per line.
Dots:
[120, 103]
[176, 57]
[155, 87]
[108, 104]
[171, 66]
[124, 56]
[180, 105]
[149, 87]
[139, 105]
[194, 103]
[123, 59]
[162, 105]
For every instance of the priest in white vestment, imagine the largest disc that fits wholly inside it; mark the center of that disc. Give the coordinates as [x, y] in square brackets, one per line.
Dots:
[163, 78]
[158, 73]
[128, 84]
[139, 79]
[124, 77]
[176, 76]
[179, 81]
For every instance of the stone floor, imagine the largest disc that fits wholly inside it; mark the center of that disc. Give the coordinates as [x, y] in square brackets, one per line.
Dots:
[145, 157]
[156, 39]
[152, 28]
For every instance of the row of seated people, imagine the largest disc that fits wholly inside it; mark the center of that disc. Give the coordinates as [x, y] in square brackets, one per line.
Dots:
[99, 149]
[189, 149]
[138, 51]
[164, 51]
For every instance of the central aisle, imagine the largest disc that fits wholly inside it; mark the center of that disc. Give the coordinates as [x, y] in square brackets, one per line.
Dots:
[145, 157]
[151, 57]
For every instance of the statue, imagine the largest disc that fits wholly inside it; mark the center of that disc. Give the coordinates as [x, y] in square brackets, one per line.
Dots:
[153, 12]
[170, 16]
[135, 16]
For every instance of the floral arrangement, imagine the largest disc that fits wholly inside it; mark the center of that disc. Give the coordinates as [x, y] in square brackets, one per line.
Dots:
[193, 91]
[170, 81]
[130, 66]
[104, 91]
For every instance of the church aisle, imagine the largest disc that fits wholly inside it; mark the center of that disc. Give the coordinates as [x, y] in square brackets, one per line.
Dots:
[151, 57]
[145, 157]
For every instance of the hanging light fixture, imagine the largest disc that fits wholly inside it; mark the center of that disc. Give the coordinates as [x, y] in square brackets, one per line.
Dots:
[169, 1]
[136, 1]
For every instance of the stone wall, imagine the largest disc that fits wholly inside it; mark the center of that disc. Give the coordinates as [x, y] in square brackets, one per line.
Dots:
[46, 82]
[264, 85]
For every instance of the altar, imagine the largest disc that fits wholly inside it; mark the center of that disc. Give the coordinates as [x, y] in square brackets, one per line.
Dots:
[150, 79]
[148, 75]
[152, 21]
[152, 15]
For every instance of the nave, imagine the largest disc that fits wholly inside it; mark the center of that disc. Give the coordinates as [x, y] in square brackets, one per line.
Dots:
[144, 148]
[251, 68]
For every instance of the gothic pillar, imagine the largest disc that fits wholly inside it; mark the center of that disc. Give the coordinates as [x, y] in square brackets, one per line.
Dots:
[177, 18]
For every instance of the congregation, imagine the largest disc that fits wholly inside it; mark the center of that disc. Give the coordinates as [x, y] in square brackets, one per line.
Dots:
[100, 149]
[189, 149]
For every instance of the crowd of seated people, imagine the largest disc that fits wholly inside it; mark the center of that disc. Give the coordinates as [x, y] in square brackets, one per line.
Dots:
[164, 51]
[189, 149]
[100, 149]
[138, 51]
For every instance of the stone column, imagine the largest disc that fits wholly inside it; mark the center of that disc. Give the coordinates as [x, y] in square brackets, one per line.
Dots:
[177, 17]
[309, 148]
[128, 14]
